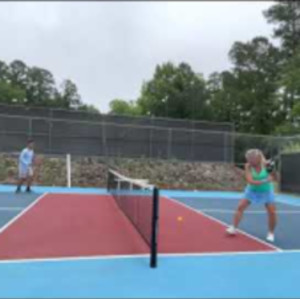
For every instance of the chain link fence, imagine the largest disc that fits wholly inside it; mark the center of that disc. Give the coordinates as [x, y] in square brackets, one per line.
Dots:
[58, 131]
[161, 122]
[94, 138]
[96, 135]
[57, 136]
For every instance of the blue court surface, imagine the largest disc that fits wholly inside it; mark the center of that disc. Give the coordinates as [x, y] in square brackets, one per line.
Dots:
[266, 274]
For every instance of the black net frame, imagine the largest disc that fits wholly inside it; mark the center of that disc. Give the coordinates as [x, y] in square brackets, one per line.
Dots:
[139, 202]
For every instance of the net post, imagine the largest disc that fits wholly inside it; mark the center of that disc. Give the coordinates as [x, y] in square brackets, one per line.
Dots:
[153, 258]
[69, 170]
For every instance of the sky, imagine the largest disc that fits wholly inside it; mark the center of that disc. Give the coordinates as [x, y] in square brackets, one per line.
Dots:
[108, 49]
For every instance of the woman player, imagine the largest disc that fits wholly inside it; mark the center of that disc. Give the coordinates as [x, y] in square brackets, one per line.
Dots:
[259, 190]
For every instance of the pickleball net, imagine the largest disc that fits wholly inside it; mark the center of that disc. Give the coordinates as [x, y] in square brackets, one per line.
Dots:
[139, 201]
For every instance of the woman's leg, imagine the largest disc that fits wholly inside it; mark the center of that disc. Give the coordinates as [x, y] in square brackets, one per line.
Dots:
[271, 208]
[243, 205]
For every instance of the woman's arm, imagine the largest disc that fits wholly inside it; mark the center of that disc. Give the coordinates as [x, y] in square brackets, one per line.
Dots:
[249, 178]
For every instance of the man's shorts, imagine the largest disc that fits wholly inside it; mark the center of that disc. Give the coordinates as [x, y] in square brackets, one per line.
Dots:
[25, 171]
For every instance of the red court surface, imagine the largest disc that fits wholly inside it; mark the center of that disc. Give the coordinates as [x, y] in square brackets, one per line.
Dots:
[198, 233]
[71, 225]
[62, 225]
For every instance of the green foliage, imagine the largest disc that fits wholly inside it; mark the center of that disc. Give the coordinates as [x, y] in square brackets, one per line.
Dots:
[121, 107]
[224, 97]
[285, 15]
[34, 86]
[88, 108]
[247, 94]
[292, 147]
[69, 97]
[9, 94]
[174, 91]
[287, 129]
[17, 74]
[40, 86]
[291, 75]
[290, 82]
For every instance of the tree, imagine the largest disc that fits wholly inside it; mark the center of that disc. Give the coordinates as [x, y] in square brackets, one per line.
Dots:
[286, 17]
[40, 88]
[34, 86]
[14, 73]
[69, 96]
[224, 98]
[121, 107]
[290, 84]
[174, 91]
[17, 74]
[88, 108]
[256, 69]
[11, 95]
[3, 72]
[247, 94]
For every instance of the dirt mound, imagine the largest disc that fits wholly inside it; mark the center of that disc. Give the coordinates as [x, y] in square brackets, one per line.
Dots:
[92, 172]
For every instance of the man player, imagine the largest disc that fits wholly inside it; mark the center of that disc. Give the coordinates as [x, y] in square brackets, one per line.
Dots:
[26, 159]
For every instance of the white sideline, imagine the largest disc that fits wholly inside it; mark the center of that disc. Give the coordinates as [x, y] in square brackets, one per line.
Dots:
[135, 256]
[225, 211]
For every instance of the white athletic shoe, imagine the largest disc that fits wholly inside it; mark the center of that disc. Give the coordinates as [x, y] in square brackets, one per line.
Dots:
[270, 237]
[231, 230]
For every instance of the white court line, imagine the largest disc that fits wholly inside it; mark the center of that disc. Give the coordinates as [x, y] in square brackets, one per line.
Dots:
[224, 211]
[74, 258]
[135, 256]
[11, 209]
[223, 223]
[13, 220]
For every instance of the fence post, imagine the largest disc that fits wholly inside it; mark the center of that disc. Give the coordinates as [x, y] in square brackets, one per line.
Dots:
[150, 142]
[192, 145]
[169, 143]
[232, 146]
[68, 170]
[50, 136]
[225, 147]
[192, 151]
[104, 141]
[30, 127]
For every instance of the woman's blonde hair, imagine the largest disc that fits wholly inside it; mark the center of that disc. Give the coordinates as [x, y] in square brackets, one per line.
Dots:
[252, 153]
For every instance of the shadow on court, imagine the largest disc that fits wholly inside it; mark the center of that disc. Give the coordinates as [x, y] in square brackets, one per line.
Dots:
[255, 221]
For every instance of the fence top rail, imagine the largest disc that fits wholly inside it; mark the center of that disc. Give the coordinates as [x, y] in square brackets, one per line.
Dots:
[100, 124]
[118, 115]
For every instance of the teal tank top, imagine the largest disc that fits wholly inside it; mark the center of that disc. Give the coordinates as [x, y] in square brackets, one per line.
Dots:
[262, 175]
